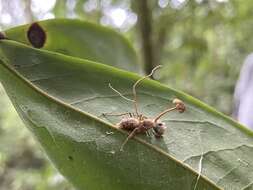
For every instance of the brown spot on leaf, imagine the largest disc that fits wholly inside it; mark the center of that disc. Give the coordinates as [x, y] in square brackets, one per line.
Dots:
[36, 35]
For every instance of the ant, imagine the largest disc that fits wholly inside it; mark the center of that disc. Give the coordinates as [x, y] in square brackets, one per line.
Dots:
[138, 123]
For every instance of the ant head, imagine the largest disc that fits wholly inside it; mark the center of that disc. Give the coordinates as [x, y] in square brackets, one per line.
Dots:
[160, 124]
[159, 128]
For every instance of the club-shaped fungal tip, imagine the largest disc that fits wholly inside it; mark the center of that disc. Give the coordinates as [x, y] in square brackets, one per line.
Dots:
[179, 105]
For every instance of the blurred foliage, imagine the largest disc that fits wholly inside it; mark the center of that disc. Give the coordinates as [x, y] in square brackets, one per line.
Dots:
[203, 54]
[201, 43]
[22, 163]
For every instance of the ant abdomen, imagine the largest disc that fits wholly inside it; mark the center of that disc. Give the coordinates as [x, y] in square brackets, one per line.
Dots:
[129, 123]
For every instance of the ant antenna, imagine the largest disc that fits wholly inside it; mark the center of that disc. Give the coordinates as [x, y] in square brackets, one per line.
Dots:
[121, 95]
[135, 85]
[179, 106]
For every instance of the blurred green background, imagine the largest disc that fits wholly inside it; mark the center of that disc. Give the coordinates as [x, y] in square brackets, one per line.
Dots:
[200, 43]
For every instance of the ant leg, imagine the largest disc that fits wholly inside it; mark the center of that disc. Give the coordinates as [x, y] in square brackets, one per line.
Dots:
[142, 117]
[129, 137]
[121, 95]
[148, 133]
[157, 135]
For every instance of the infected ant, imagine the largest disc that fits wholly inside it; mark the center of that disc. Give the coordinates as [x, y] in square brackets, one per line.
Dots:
[138, 123]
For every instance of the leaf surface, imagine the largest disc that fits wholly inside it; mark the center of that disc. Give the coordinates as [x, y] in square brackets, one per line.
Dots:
[79, 39]
[62, 100]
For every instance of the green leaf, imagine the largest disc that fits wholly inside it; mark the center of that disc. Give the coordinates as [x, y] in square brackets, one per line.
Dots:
[62, 99]
[81, 39]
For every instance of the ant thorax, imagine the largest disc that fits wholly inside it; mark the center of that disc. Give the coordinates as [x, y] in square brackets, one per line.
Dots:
[142, 125]
[137, 123]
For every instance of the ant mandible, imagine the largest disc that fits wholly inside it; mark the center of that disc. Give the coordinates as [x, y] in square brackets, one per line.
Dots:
[138, 123]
